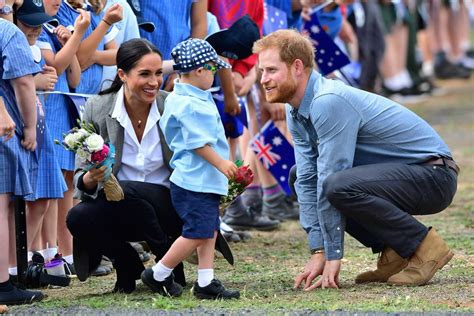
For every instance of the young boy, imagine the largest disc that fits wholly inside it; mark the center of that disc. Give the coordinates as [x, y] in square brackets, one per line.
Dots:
[194, 132]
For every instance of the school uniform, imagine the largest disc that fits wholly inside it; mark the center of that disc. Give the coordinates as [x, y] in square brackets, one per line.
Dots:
[60, 113]
[50, 183]
[91, 78]
[17, 165]
[191, 121]
[171, 19]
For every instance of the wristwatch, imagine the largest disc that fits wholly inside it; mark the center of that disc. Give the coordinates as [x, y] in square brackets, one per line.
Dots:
[6, 10]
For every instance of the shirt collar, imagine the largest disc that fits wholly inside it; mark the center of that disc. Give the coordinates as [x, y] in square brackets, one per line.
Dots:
[190, 90]
[120, 113]
[309, 93]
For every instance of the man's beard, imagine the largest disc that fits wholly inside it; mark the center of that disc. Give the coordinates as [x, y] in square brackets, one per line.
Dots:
[284, 92]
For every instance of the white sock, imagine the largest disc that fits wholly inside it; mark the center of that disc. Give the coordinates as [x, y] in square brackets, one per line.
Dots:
[49, 253]
[160, 271]
[13, 271]
[69, 259]
[406, 79]
[205, 277]
[396, 82]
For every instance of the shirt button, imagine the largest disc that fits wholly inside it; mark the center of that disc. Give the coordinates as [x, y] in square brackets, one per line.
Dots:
[338, 228]
[338, 251]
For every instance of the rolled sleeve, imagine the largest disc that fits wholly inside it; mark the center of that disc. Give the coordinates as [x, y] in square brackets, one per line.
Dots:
[196, 133]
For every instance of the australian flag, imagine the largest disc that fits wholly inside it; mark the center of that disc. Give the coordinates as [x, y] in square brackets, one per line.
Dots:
[274, 19]
[40, 124]
[275, 153]
[328, 55]
[79, 103]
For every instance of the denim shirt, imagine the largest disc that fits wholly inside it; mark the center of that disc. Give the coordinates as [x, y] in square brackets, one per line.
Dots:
[338, 127]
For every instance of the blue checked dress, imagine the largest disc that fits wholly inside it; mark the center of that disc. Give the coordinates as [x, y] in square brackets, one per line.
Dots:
[50, 183]
[171, 20]
[91, 78]
[17, 166]
[61, 115]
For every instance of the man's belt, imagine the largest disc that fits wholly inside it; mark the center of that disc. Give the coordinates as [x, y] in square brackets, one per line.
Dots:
[436, 161]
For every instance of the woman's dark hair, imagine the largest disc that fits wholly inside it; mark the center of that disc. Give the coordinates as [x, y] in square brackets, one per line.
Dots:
[128, 55]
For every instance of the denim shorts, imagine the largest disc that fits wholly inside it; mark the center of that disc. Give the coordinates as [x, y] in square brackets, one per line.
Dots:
[198, 211]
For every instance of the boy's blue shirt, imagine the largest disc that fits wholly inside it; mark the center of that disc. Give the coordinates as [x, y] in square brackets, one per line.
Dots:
[190, 121]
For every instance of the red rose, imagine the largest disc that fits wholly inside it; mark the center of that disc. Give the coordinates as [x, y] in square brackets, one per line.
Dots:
[101, 155]
[244, 176]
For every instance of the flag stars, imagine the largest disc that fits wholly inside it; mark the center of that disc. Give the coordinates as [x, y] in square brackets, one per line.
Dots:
[282, 179]
[284, 166]
[277, 141]
[315, 29]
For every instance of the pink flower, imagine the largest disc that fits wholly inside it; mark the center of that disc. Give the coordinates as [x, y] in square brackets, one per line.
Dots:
[101, 155]
[244, 176]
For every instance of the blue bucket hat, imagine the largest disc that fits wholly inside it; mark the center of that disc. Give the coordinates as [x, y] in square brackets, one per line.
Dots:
[194, 53]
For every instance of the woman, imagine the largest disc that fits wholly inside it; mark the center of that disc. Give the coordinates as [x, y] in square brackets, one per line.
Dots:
[126, 115]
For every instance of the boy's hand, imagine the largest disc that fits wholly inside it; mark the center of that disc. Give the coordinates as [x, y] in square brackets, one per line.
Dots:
[228, 168]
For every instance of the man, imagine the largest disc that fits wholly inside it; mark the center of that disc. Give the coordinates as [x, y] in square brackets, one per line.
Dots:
[362, 157]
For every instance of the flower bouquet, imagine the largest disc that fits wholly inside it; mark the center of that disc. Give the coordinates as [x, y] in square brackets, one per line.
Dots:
[237, 185]
[94, 153]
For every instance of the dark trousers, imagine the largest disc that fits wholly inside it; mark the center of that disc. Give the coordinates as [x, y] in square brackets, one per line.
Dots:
[106, 227]
[379, 201]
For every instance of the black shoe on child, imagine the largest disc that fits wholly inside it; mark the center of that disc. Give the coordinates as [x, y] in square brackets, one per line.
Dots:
[17, 296]
[215, 290]
[167, 287]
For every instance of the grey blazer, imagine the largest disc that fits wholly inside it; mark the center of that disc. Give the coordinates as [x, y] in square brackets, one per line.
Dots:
[98, 111]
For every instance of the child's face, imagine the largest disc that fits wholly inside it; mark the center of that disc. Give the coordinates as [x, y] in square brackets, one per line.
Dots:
[51, 7]
[207, 73]
[31, 32]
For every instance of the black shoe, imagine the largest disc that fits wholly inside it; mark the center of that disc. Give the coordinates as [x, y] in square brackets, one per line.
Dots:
[249, 219]
[167, 287]
[18, 296]
[215, 290]
[444, 69]
[85, 262]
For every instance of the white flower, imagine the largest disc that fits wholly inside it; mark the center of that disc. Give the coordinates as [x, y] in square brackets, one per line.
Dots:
[83, 132]
[72, 140]
[94, 143]
[84, 155]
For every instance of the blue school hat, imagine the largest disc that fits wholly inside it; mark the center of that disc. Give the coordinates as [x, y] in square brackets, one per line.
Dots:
[32, 13]
[194, 53]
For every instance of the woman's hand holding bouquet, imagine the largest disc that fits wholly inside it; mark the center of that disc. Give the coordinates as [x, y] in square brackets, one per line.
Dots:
[94, 153]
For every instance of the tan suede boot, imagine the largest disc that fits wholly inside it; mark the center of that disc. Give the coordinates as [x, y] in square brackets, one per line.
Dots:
[430, 256]
[388, 264]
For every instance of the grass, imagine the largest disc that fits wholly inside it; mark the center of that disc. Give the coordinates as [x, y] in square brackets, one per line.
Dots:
[266, 264]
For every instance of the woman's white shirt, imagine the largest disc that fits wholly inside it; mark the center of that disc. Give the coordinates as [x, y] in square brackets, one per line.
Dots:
[141, 161]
